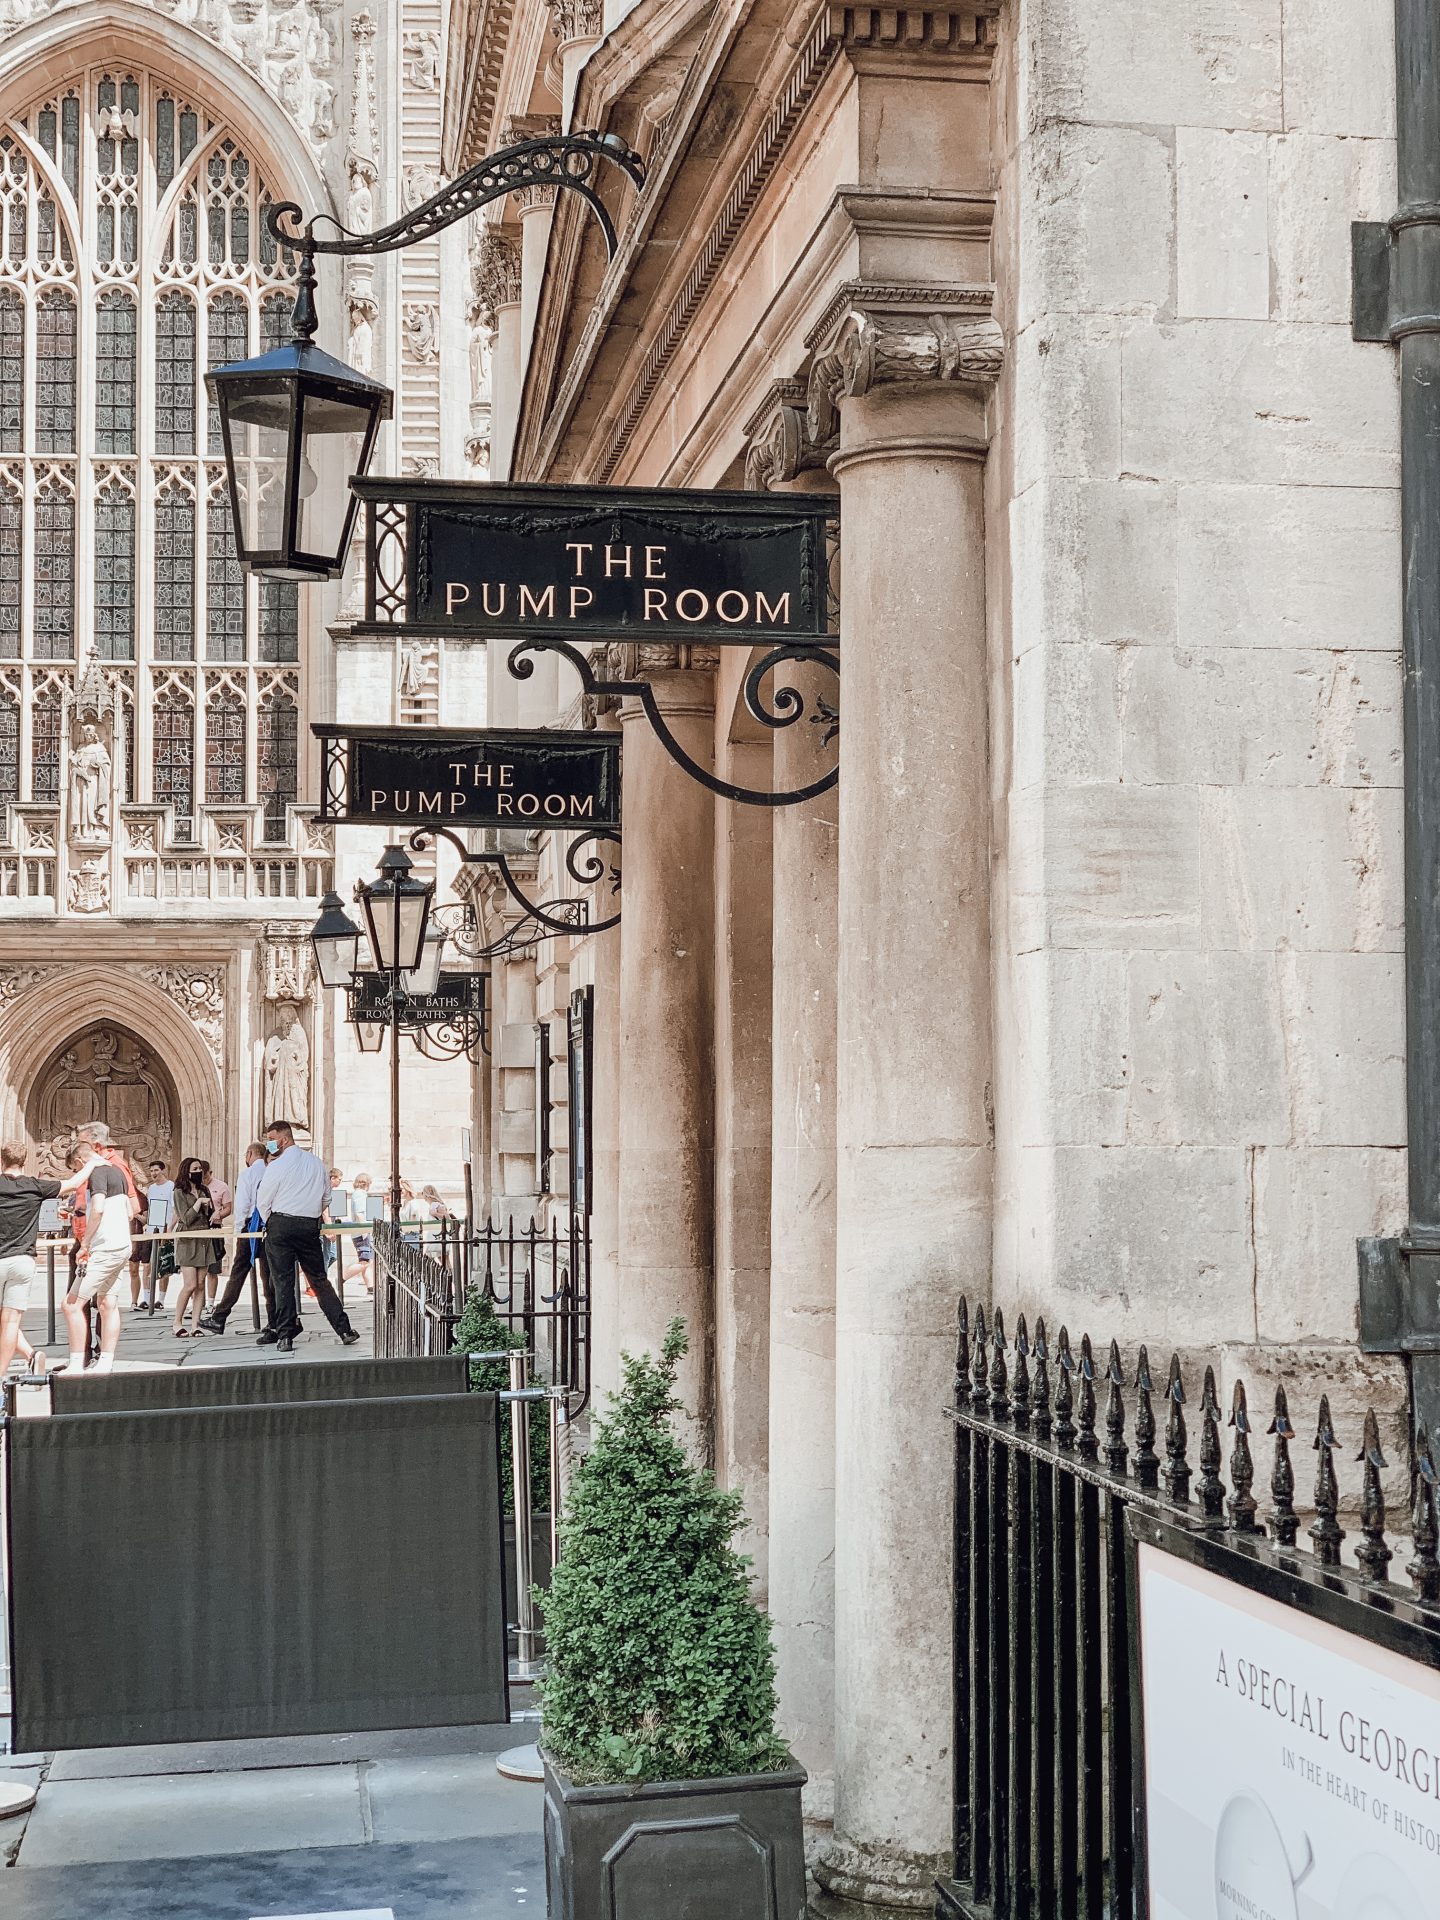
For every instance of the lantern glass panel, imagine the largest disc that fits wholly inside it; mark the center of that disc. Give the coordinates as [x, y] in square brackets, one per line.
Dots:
[332, 448]
[336, 958]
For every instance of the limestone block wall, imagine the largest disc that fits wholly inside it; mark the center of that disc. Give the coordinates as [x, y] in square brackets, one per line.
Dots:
[1194, 516]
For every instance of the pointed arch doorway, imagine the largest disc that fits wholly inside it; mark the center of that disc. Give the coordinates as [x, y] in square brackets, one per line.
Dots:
[107, 1073]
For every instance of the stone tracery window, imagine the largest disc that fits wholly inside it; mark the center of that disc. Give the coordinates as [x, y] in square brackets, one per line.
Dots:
[132, 257]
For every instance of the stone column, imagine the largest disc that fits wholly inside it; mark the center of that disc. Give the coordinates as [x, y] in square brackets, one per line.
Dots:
[783, 458]
[578, 25]
[742, 1134]
[908, 382]
[498, 284]
[667, 1078]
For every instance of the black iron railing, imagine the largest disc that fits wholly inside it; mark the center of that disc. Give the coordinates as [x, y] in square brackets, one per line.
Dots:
[1050, 1492]
[537, 1279]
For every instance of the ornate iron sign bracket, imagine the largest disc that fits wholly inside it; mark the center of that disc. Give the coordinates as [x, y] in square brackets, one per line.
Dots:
[569, 160]
[540, 920]
[788, 706]
[455, 1019]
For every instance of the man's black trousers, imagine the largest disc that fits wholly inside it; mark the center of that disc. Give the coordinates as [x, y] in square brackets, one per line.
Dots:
[248, 1253]
[293, 1240]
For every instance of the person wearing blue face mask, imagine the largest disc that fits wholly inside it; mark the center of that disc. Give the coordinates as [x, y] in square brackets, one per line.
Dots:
[292, 1196]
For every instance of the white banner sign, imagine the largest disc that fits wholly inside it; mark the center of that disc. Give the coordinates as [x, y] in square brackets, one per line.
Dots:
[1292, 1771]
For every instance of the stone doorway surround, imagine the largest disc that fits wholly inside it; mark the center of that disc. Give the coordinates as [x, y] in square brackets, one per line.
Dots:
[176, 1012]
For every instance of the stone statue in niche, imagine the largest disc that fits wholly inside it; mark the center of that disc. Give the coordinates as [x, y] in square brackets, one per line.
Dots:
[90, 771]
[287, 1074]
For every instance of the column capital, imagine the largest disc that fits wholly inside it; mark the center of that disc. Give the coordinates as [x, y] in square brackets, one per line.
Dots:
[496, 273]
[875, 335]
[576, 19]
[780, 445]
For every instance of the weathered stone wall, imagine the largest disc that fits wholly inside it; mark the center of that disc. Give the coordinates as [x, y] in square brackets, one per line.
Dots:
[1195, 672]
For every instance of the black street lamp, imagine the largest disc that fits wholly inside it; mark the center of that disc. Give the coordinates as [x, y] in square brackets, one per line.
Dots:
[336, 940]
[297, 424]
[397, 913]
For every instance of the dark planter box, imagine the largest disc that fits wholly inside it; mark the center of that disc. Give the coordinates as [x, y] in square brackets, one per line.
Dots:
[675, 1849]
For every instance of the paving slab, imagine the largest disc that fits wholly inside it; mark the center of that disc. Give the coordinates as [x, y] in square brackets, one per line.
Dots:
[180, 1816]
[298, 1750]
[459, 1798]
[457, 1880]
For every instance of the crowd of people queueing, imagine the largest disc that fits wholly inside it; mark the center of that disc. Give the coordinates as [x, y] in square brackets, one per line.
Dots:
[283, 1210]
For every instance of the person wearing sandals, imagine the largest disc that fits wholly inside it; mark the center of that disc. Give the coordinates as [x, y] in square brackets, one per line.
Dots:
[364, 1250]
[195, 1247]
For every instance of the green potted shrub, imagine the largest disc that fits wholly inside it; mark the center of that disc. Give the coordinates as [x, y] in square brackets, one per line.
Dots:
[669, 1794]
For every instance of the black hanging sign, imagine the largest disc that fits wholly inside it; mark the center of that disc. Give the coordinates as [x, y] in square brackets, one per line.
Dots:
[469, 777]
[598, 563]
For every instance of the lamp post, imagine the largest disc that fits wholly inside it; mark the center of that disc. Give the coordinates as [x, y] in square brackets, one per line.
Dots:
[297, 424]
[397, 915]
[406, 946]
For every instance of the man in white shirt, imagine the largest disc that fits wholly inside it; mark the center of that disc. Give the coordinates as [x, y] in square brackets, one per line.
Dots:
[249, 1251]
[104, 1256]
[292, 1197]
[160, 1209]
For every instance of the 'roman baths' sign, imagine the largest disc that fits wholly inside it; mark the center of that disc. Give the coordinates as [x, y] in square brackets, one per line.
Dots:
[469, 777]
[608, 563]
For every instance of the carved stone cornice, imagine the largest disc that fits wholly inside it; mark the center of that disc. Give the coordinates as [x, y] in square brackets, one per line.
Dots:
[780, 445]
[576, 19]
[875, 336]
[497, 274]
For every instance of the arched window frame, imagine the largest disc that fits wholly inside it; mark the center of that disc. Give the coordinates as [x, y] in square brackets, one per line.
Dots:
[132, 236]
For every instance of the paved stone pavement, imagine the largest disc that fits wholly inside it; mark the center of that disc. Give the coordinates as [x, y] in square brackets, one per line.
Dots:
[146, 1339]
[408, 1826]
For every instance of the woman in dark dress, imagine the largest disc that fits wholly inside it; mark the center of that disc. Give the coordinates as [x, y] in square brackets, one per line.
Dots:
[194, 1249]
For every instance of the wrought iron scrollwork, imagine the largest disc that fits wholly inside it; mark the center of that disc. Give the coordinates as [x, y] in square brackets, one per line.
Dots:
[569, 160]
[787, 707]
[539, 920]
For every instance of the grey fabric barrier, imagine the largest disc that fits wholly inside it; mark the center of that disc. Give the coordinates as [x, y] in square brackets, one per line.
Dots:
[220, 1572]
[275, 1380]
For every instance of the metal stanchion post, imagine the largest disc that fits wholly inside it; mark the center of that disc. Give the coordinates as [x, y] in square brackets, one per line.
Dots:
[525, 1630]
[50, 1294]
[157, 1292]
[558, 1417]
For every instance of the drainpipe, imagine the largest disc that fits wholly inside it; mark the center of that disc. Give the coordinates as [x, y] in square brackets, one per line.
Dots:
[1396, 267]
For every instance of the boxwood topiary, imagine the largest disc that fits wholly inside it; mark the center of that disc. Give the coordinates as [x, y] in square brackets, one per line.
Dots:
[659, 1665]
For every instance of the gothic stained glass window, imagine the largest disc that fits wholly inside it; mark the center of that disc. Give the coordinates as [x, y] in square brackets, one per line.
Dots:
[54, 574]
[9, 747]
[174, 374]
[115, 373]
[12, 370]
[224, 585]
[279, 621]
[114, 573]
[174, 737]
[55, 362]
[225, 748]
[12, 536]
[118, 288]
[277, 760]
[276, 313]
[174, 576]
[227, 327]
[45, 749]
